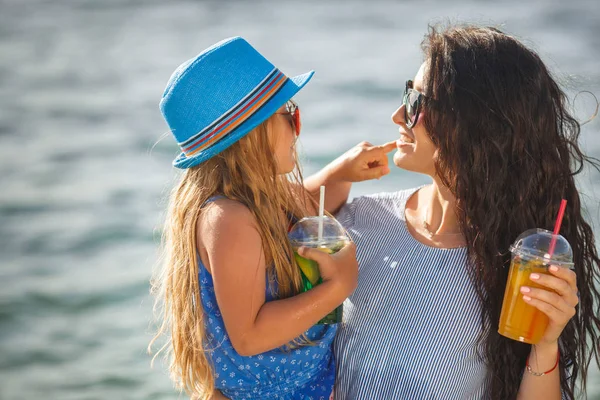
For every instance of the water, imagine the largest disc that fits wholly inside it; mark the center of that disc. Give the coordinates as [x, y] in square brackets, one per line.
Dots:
[82, 184]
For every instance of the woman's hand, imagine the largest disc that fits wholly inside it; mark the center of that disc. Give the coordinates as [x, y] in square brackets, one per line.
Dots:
[558, 303]
[362, 162]
[340, 268]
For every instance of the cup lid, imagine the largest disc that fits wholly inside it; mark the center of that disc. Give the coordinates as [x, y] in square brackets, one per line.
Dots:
[535, 243]
[306, 232]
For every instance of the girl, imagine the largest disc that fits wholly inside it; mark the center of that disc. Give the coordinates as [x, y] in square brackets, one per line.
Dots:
[231, 293]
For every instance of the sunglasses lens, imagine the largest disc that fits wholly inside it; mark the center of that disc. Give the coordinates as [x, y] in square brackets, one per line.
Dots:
[297, 121]
[411, 104]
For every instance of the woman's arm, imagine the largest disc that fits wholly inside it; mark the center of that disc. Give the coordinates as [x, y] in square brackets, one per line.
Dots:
[541, 359]
[362, 162]
[233, 252]
[559, 305]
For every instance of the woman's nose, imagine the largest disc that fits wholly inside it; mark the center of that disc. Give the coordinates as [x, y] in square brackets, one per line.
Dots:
[398, 116]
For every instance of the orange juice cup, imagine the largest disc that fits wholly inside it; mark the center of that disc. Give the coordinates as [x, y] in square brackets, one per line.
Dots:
[533, 252]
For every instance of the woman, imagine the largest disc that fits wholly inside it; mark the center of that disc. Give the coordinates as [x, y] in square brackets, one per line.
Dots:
[487, 122]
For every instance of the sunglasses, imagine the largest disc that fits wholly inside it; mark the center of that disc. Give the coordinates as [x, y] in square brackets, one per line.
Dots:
[293, 114]
[413, 99]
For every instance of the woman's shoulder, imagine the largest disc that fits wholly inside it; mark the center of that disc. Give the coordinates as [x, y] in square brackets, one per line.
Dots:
[383, 205]
[384, 198]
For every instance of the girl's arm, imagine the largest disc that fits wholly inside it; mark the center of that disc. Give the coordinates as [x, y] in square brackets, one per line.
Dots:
[362, 162]
[231, 249]
[217, 395]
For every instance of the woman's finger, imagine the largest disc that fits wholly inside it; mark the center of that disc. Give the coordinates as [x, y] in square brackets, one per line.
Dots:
[553, 313]
[561, 286]
[564, 273]
[546, 296]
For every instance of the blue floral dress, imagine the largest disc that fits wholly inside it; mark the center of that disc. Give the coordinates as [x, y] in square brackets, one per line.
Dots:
[307, 372]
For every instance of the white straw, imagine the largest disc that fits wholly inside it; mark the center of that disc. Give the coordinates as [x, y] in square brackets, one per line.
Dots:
[321, 213]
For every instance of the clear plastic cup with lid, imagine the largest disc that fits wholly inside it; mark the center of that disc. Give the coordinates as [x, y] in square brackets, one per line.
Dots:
[305, 233]
[534, 251]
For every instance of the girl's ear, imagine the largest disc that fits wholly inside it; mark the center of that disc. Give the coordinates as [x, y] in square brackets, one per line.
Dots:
[271, 136]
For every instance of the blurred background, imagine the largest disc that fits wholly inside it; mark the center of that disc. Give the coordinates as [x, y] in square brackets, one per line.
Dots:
[85, 166]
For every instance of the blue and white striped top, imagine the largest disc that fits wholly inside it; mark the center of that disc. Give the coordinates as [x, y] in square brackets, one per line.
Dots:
[409, 329]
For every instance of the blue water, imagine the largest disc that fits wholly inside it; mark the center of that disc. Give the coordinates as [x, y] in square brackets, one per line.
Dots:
[82, 185]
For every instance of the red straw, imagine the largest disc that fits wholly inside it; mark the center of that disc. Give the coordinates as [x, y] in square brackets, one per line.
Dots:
[559, 218]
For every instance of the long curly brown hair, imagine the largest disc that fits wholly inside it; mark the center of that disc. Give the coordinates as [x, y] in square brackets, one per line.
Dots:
[508, 150]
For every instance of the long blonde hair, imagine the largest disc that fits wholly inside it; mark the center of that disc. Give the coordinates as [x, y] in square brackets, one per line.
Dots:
[245, 172]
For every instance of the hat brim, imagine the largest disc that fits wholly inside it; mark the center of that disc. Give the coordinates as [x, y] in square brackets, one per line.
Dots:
[287, 91]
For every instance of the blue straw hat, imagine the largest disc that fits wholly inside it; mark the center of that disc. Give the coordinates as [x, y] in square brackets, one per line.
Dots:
[216, 98]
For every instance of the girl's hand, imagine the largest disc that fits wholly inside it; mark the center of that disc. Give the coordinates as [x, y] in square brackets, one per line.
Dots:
[340, 268]
[362, 162]
[559, 304]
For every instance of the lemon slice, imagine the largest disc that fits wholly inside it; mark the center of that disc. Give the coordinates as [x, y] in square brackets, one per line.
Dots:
[309, 268]
[325, 250]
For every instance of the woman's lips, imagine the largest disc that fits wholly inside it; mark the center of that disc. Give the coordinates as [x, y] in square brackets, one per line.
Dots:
[405, 140]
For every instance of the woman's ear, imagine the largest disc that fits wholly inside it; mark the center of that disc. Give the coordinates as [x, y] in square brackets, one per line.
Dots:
[422, 113]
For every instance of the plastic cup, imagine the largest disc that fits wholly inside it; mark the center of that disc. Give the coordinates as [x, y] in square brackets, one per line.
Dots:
[530, 254]
[306, 233]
